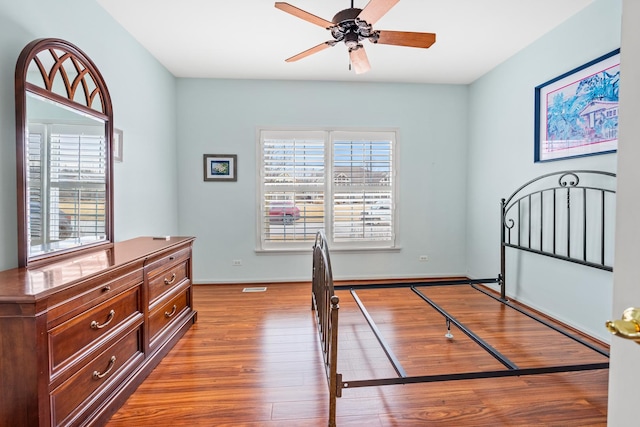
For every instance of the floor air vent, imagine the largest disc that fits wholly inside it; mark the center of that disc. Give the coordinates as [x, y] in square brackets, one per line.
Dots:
[258, 289]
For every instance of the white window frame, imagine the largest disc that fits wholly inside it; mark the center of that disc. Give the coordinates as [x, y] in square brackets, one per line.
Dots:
[329, 188]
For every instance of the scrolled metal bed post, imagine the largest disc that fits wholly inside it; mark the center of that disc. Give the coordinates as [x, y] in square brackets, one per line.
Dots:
[501, 280]
[335, 389]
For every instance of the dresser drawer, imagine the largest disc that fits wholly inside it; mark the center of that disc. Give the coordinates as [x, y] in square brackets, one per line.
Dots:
[71, 302]
[101, 375]
[157, 266]
[166, 314]
[68, 340]
[166, 279]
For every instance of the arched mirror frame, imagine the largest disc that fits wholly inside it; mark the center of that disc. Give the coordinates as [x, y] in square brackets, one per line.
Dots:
[84, 88]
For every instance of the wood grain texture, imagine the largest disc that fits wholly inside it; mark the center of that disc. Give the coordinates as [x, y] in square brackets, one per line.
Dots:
[253, 359]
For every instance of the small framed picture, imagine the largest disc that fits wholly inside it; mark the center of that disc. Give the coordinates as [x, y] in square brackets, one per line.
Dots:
[576, 114]
[220, 167]
[117, 145]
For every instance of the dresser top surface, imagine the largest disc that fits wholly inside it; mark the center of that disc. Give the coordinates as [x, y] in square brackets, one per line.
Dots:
[29, 284]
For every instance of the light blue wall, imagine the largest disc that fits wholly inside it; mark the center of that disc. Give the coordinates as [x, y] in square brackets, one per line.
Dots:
[500, 155]
[221, 116]
[143, 95]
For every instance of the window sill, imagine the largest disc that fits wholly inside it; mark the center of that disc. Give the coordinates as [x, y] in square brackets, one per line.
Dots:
[298, 251]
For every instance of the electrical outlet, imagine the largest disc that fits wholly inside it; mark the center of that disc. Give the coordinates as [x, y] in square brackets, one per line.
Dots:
[423, 258]
[236, 262]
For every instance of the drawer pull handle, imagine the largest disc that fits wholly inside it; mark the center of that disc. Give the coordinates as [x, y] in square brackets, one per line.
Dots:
[106, 288]
[170, 281]
[170, 315]
[97, 375]
[96, 325]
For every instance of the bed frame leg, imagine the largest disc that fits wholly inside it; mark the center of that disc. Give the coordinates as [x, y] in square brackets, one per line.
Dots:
[335, 379]
[449, 335]
[333, 395]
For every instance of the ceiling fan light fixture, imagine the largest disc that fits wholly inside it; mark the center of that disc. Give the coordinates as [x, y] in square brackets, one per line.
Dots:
[351, 39]
[337, 33]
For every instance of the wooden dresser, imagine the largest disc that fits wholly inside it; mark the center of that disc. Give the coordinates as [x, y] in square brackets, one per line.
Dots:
[78, 336]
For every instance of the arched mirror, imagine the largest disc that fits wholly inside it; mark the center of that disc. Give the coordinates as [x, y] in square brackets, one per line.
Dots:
[64, 128]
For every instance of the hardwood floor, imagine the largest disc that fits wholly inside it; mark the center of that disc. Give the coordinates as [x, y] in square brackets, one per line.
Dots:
[252, 359]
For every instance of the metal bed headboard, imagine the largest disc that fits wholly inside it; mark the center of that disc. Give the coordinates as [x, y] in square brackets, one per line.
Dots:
[562, 215]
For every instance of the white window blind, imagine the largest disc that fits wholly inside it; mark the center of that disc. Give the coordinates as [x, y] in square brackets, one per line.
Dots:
[342, 182]
[78, 170]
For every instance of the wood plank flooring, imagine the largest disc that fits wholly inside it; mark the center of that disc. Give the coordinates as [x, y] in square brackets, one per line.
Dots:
[252, 359]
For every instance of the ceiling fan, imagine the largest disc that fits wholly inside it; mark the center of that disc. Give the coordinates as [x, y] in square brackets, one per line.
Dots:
[353, 25]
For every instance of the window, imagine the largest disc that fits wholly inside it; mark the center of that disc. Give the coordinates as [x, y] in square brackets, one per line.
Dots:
[342, 182]
[75, 195]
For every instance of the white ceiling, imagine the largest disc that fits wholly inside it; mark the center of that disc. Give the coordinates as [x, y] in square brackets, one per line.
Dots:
[250, 39]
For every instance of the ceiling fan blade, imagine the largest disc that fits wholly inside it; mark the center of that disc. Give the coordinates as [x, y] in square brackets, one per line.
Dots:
[407, 38]
[359, 60]
[286, 7]
[375, 10]
[315, 49]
